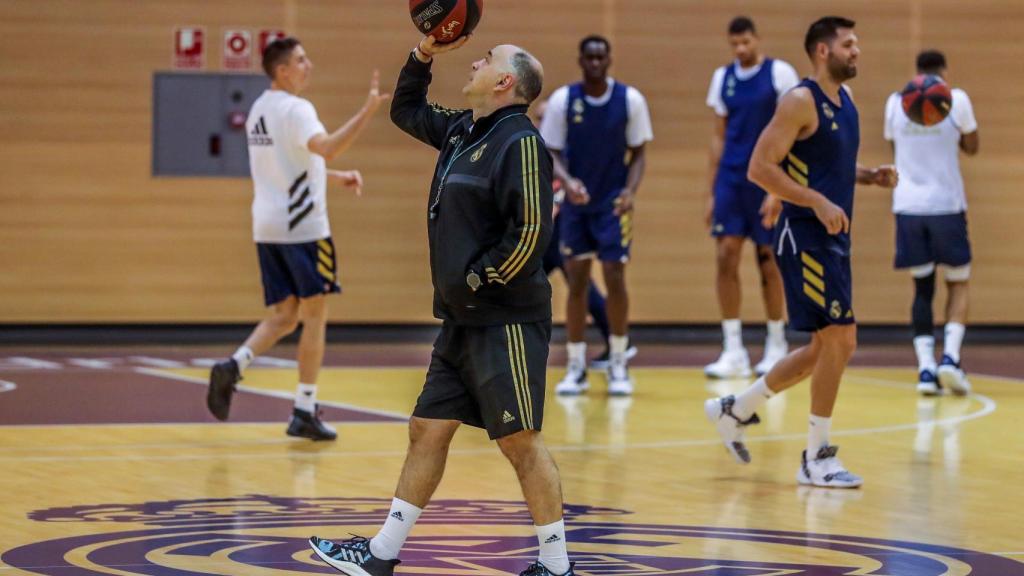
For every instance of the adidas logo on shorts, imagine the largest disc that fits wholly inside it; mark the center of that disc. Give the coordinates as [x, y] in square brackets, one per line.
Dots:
[506, 417]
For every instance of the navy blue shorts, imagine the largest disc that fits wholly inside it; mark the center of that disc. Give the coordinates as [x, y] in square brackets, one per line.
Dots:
[737, 208]
[817, 279]
[586, 231]
[301, 270]
[939, 239]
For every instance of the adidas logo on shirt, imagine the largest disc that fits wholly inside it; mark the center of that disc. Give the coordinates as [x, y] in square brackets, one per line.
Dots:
[258, 136]
[397, 515]
[506, 417]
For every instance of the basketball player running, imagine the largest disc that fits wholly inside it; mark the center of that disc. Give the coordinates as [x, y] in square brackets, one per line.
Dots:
[288, 147]
[807, 157]
[596, 131]
[743, 96]
[489, 221]
[931, 224]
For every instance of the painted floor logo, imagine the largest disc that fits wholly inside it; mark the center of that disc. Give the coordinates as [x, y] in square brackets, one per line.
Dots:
[266, 534]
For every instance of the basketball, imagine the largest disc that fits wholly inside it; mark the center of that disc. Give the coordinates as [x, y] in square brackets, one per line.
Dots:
[446, 20]
[927, 100]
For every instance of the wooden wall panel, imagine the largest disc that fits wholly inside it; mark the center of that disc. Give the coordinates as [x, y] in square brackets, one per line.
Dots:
[86, 235]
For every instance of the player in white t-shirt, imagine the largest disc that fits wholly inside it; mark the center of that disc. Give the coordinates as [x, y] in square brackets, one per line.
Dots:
[743, 96]
[931, 223]
[288, 147]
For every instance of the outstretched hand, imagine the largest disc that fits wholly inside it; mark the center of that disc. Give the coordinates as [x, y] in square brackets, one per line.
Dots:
[429, 46]
[374, 99]
[886, 176]
[347, 178]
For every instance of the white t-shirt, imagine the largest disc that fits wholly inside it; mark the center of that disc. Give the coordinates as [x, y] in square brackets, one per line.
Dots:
[784, 79]
[928, 158]
[555, 127]
[290, 182]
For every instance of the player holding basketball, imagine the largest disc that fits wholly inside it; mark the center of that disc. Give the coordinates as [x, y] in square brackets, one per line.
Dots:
[596, 131]
[743, 96]
[807, 157]
[288, 147]
[931, 224]
[489, 221]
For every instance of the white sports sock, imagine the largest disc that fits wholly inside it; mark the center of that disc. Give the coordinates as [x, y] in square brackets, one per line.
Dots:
[732, 332]
[243, 356]
[924, 347]
[617, 348]
[776, 333]
[577, 355]
[954, 338]
[817, 435]
[553, 554]
[305, 397]
[389, 541]
[748, 401]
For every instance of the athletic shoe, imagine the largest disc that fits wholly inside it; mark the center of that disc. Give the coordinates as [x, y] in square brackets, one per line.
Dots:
[773, 352]
[927, 385]
[729, 426]
[619, 382]
[309, 425]
[826, 470]
[574, 383]
[731, 364]
[603, 361]
[352, 557]
[224, 377]
[952, 377]
[538, 569]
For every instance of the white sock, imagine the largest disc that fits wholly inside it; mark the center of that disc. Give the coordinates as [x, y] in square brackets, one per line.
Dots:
[389, 541]
[748, 401]
[732, 331]
[776, 333]
[305, 397]
[243, 356]
[954, 338]
[577, 355]
[553, 554]
[817, 435]
[924, 347]
[617, 346]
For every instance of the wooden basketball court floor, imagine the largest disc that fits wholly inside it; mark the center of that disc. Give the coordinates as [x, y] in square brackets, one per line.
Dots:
[110, 465]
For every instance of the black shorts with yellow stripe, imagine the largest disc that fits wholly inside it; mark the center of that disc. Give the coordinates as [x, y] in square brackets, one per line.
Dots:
[489, 377]
[819, 287]
[302, 270]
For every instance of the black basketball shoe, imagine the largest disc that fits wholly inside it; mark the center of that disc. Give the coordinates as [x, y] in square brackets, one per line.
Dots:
[309, 425]
[538, 569]
[353, 557]
[224, 376]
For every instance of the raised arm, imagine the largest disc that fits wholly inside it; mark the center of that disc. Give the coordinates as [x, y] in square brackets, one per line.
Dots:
[410, 110]
[331, 145]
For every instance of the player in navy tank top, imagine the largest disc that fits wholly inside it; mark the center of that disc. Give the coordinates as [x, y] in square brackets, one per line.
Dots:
[807, 158]
[743, 97]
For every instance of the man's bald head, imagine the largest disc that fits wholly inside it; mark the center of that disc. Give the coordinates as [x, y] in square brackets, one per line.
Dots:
[528, 71]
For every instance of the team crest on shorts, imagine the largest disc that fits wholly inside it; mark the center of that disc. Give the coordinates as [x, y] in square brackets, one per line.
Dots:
[267, 534]
[836, 311]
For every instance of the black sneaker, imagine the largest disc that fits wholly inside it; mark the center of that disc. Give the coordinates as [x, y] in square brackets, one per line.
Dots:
[223, 378]
[353, 557]
[538, 569]
[309, 425]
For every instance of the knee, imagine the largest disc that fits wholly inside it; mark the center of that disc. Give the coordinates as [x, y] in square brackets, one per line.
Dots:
[728, 259]
[427, 435]
[766, 264]
[285, 322]
[520, 448]
[840, 339]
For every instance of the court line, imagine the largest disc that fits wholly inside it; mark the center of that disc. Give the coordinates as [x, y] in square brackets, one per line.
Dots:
[271, 393]
[988, 407]
[6, 386]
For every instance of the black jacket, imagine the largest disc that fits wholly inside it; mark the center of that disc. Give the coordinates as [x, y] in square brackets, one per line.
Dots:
[489, 209]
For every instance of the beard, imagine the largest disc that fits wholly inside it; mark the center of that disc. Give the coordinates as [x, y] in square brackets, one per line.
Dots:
[839, 70]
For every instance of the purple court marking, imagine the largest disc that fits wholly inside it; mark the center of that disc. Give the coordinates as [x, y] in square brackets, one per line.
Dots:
[198, 529]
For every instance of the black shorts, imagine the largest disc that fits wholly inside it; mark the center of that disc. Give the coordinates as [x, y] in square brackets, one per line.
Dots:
[300, 270]
[940, 239]
[490, 377]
